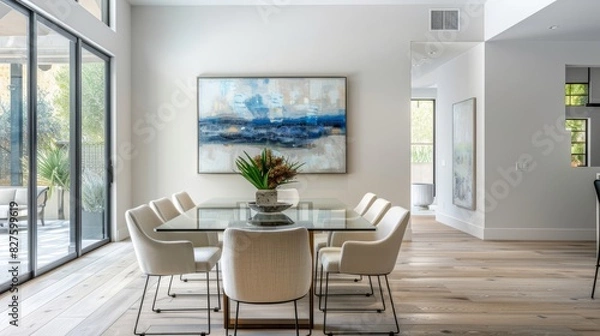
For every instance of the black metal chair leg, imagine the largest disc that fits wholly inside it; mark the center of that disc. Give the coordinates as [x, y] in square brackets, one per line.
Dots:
[387, 282]
[218, 308]
[296, 318]
[137, 319]
[380, 293]
[596, 274]
[169, 288]
[156, 295]
[237, 313]
[208, 301]
[325, 306]
[321, 288]
[227, 316]
[371, 285]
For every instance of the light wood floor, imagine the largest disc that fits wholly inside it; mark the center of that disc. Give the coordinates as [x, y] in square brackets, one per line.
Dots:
[445, 283]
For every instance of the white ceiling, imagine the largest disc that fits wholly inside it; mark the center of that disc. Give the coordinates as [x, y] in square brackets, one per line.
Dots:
[297, 2]
[577, 20]
[426, 57]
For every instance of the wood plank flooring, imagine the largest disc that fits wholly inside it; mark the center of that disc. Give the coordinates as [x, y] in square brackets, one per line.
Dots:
[445, 283]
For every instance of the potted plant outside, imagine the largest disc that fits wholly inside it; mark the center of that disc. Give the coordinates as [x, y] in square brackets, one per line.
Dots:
[54, 170]
[93, 204]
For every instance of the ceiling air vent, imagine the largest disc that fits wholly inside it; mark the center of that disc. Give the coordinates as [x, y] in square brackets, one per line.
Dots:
[443, 19]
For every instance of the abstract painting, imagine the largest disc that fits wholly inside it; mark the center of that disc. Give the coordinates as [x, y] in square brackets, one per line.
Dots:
[302, 118]
[463, 154]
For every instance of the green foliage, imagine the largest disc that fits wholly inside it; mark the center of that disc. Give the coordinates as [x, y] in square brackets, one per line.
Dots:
[53, 167]
[576, 94]
[422, 112]
[267, 171]
[421, 154]
[253, 171]
[48, 125]
[93, 99]
[92, 191]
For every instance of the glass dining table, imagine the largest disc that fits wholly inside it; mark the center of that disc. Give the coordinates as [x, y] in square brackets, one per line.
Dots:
[315, 214]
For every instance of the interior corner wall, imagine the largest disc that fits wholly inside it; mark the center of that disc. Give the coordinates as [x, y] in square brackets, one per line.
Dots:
[460, 79]
[116, 43]
[368, 44]
[525, 113]
[500, 15]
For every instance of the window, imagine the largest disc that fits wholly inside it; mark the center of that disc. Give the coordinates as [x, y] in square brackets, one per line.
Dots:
[579, 141]
[576, 94]
[422, 140]
[98, 8]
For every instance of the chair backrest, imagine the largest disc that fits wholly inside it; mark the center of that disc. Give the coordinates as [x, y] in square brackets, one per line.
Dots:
[266, 266]
[183, 202]
[164, 208]
[42, 196]
[365, 203]
[377, 210]
[389, 236]
[152, 256]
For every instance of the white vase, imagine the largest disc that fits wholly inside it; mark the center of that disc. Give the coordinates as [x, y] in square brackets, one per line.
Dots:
[422, 195]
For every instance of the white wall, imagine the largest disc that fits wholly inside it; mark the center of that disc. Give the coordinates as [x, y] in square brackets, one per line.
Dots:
[525, 116]
[424, 93]
[368, 44]
[117, 43]
[460, 79]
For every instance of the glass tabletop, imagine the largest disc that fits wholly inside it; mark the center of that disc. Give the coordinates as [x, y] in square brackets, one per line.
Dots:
[316, 214]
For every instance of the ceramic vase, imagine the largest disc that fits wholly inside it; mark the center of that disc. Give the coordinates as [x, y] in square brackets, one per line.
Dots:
[266, 197]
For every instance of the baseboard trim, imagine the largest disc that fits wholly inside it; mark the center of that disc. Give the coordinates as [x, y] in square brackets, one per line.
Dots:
[517, 233]
[540, 234]
[473, 230]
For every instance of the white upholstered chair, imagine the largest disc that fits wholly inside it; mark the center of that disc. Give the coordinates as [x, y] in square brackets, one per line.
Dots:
[362, 206]
[365, 203]
[261, 267]
[370, 208]
[373, 214]
[166, 210]
[183, 202]
[368, 258]
[166, 258]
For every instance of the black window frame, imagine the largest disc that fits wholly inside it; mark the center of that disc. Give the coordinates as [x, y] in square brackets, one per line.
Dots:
[569, 95]
[585, 143]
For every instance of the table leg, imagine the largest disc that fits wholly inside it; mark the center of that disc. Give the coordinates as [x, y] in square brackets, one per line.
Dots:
[225, 310]
[311, 313]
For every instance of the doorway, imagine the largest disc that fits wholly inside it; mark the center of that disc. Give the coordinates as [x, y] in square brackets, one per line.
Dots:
[422, 147]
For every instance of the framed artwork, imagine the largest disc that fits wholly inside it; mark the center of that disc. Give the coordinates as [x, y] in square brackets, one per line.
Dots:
[302, 118]
[463, 154]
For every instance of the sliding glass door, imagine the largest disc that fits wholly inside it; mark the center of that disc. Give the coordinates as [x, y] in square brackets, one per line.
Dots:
[94, 147]
[54, 144]
[14, 144]
[54, 138]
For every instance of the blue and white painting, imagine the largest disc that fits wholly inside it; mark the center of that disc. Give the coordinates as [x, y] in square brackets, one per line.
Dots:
[301, 118]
